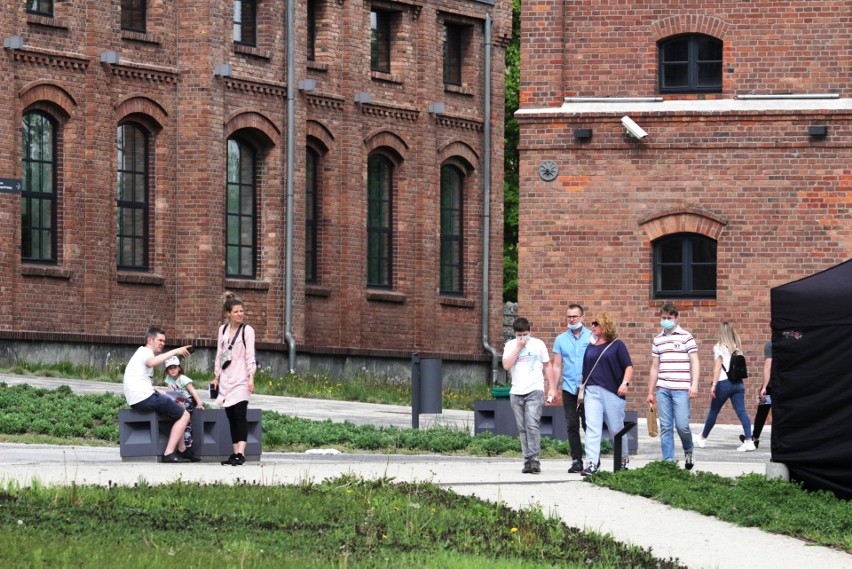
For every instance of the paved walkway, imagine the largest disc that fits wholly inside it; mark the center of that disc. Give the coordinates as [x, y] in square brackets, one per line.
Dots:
[696, 540]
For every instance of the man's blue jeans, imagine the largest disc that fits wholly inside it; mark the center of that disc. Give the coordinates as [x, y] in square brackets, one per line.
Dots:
[673, 411]
[527, 409]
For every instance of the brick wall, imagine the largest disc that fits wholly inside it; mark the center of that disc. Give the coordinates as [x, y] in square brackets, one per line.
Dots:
[776, 200]
[164, 80]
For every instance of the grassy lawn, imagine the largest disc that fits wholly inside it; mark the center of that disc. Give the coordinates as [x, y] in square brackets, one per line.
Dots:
[364, 387]
[345, 522]
[749, 500]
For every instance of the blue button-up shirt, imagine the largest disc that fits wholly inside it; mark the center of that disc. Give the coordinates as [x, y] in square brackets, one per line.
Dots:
[572, 349]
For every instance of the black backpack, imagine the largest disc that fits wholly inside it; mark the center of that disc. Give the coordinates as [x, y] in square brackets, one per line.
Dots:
[737, 369]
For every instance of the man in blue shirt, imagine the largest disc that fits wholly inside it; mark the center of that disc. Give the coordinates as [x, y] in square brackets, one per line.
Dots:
[568, 350]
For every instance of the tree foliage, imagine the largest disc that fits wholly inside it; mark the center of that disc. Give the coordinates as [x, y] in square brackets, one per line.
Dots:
[510, 160]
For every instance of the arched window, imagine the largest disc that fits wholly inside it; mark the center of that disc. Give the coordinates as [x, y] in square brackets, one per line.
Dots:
[379, 221]
[690, 64]
[241, 211]
[685, 266]
[311, 214]
[132, 197]
[452, 238]
[38, 188]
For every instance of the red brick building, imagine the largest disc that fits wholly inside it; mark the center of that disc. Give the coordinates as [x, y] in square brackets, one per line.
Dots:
[743, 182]
[151, 139]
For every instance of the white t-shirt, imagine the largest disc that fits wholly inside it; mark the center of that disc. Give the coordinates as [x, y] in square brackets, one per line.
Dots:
[720, 350]
[137, 377]
[527, 373]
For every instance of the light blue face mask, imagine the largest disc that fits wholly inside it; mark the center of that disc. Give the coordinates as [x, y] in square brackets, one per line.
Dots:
[576, 326]
[667, 324]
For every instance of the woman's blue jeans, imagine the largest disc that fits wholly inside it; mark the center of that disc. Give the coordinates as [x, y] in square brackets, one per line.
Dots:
[735, 391]
[673, 411]
[602, 405]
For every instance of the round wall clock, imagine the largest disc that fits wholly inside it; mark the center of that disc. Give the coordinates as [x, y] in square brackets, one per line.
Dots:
[548, 170]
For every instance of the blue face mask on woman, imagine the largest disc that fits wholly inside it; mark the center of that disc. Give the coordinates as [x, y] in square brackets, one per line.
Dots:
[667, 324]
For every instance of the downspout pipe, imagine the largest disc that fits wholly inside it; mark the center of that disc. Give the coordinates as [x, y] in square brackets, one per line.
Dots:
[291, 136]
[486, 218]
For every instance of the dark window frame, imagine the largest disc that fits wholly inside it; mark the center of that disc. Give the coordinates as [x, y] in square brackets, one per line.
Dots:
[245, 22]
[40, 7]
[138, 233]
[311, 33]
[236, 243]
[134, 15]
[38, 197]
[312, 188]
[667, 66]
[381, 40]
[687, 264]
[380, 235]
[454, 52]
[452, 234]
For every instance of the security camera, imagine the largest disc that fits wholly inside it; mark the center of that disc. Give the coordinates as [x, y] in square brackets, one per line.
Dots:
[634, 129]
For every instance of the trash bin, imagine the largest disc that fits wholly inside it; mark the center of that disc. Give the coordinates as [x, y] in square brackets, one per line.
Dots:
[431, 379]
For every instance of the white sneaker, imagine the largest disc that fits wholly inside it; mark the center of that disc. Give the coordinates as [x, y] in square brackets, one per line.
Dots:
[702, 442]
[747, 446]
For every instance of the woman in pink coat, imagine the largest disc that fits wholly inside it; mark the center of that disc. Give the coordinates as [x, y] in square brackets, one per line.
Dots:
[234, 370]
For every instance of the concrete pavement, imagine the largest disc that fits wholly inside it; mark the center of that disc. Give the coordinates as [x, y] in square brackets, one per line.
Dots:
[697, 540]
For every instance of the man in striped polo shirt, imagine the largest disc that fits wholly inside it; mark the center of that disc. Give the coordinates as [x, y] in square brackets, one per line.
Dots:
[673, 382]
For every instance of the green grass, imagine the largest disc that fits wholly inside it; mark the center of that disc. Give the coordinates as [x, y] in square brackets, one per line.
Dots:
[345, 522]
[58, 416]
[749, 500]
[365, 387]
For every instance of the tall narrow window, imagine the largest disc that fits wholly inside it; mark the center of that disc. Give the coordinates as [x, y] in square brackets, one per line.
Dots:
[245, 22]
[685, 266]
[132, 144]
[379, 221]
[133, 15]
[453, 55]
[452, 183]
[40, 7]
[38, 191]
[312, 30]
[311, 213]
[241, 216]
[380, 41]
[691, 64]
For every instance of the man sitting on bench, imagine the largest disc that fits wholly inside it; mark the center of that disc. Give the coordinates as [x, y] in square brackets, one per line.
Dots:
[141, 395]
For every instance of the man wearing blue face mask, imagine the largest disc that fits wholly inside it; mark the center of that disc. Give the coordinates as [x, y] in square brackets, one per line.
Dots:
[673, 381]
[568, 350]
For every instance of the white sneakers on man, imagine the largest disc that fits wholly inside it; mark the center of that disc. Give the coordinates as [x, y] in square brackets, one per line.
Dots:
[747, 446]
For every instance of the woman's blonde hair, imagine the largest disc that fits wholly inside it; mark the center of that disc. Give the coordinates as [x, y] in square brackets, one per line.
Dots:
[608, 326]
[729, 338]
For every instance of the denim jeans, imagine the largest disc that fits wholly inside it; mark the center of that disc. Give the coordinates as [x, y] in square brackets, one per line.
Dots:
[735, 391]
[673, 411]
[527, 409]
[602, 405]
[572, 419]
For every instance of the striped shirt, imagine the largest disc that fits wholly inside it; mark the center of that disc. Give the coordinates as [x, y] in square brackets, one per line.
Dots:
[673, 352]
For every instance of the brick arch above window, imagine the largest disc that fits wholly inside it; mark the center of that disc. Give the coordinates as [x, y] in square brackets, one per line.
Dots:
[319, 136]
[690, 24]
[155, 116]
[257, 127]
[47, 92]
[683, 220]
[382, 138]
[460, 152]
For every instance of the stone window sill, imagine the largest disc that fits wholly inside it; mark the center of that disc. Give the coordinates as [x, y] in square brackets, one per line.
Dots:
[387, 77]
[458, 302]
[252, 51]
[317, 290]
[458, 89]
[246, 284]
[386, 296]
[141, 279]
[47, 21]
[141, 37]
[50, 272]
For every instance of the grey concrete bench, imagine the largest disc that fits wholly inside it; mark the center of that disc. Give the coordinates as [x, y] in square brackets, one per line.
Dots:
[496, 416]
[143, 435]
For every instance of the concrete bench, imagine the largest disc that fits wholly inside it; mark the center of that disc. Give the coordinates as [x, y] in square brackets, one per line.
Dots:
[143, 435]
[496, 416]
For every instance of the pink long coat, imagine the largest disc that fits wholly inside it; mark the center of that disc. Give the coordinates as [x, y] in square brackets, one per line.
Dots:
[234, 380]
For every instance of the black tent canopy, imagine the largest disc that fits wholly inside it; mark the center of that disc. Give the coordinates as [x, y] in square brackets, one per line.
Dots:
[811, 382]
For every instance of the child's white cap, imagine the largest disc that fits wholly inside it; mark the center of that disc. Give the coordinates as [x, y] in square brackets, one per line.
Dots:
[172, 361]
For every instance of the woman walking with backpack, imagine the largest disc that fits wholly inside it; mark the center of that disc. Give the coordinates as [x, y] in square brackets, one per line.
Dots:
[725, 388]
